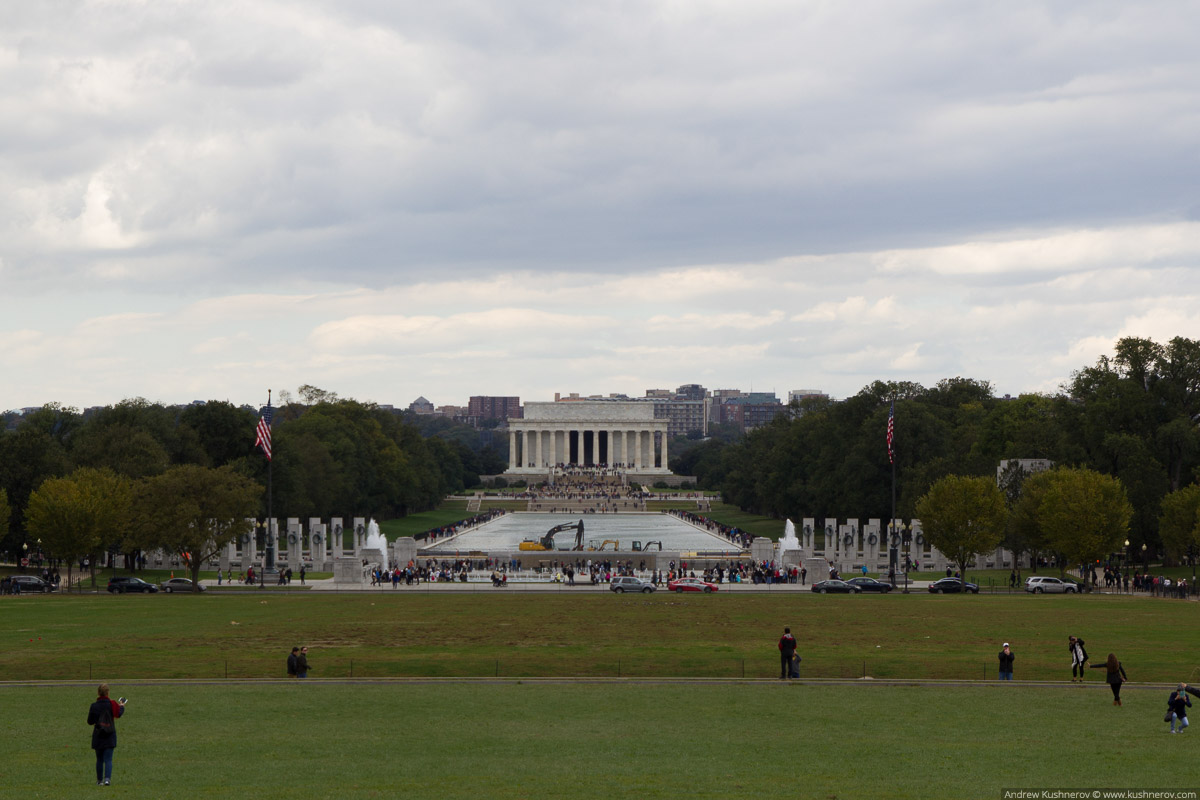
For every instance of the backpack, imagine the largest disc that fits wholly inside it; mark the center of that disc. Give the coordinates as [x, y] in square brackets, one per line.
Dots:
[104, 721]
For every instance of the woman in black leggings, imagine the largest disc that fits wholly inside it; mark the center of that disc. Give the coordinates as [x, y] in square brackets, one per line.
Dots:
[1115, 677]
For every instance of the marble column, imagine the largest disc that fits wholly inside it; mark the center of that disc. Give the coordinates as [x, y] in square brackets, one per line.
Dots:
[637, 450]
[664, 450]
[512, 448]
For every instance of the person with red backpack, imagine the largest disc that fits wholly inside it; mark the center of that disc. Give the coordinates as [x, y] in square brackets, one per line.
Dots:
[102, 717]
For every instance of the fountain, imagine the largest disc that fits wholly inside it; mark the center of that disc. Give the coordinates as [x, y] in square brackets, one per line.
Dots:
[789, 544]
[376, 541]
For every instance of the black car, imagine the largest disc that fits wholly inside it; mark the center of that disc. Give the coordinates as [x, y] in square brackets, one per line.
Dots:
[23, 584]
[870, 585]
[950, 585]
[823, 587]
[120, 584]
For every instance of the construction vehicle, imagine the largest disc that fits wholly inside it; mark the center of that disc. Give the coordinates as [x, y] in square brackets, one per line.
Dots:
[639, 547]
[616, 545]
[547, 541]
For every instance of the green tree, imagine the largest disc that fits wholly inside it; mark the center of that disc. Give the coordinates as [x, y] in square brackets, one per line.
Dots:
[5, 514]
[1023, 532]
[74, 516]
[963, 517]
[1084, 514]
[1179, 524]
[198, 510]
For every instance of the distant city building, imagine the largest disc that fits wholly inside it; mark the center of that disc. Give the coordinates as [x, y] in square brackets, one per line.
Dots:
[796, 395]
[750, 410]
[421, 406]
[1028, 465]
[481, 407]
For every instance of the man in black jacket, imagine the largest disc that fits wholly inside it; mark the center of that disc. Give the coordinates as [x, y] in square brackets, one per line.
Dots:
[787, 649]
[292, 658]
[1006, 663]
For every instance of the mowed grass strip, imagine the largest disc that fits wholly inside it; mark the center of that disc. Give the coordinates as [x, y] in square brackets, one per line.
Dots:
[286, 740]
[413, 634]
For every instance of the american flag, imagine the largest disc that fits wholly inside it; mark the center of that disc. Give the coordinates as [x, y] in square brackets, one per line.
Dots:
[891, 433]
[263, 433]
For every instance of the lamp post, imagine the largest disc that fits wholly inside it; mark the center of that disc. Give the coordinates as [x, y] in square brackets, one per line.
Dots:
[24, 556]
[1145, 563]
[906, 538]
[1126, 561]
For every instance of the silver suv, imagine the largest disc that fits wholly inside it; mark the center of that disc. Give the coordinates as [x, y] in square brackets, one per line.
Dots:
[627, 583]
[1037, 585]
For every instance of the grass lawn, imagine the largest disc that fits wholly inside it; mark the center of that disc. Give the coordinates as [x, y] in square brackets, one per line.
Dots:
[756, 524]
[667, 741]
[414, 634]
[419, 523]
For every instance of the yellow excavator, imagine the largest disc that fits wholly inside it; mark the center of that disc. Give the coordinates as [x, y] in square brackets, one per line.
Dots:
[616, 545]
[547, 541]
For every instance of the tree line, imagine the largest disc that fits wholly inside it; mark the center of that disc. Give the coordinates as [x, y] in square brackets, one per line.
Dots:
[1132, 416]
[332, 457]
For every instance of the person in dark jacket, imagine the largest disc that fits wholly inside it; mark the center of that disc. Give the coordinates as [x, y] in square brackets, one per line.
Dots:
[787, 649]
[1115, 676]
[1006, 663]
[102, 716]
[302, 663]
[292, 659]
[1079, 657]
[1177, 705]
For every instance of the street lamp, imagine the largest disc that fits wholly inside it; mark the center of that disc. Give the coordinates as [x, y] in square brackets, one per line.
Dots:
[24, 556]
[1126, 562]
[906, 538]
[1145, 563]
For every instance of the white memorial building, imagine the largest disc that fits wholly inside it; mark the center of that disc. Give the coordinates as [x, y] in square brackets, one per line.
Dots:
[588, 433]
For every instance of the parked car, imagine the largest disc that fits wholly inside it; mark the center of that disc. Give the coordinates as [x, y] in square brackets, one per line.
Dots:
[1080, 586]
[30, 583]
[120, 584]
[1038, 584]
[831, 585]
[691, 585]
[628, 583]
[950, 585]
[177, 585]
[870, 585]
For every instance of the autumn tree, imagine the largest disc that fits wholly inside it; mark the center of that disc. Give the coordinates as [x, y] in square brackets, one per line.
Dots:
[76, 515]
[195, 511]
[963, 517]
[1084, 514]
[1179, 524]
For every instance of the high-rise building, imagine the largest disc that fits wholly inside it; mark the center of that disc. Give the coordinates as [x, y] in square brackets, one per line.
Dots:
[483, 407]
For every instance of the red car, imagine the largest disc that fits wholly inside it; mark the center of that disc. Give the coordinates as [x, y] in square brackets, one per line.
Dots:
[691, 585]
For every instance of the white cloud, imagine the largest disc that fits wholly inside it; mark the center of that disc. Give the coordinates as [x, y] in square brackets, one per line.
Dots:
[446, 199]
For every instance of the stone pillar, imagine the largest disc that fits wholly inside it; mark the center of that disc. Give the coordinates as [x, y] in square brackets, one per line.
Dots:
[512, 448]
[553, 447]
[637, 450]
[337, 539]
[664, 450]
[360, 534]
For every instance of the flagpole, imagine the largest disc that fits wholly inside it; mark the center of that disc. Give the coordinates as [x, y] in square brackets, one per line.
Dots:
[270, 499]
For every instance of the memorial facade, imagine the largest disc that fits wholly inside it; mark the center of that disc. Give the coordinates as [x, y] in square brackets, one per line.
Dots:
[588, 433]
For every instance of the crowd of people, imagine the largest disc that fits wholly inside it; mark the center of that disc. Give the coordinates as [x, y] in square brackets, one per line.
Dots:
[735, 535]
[442, 531]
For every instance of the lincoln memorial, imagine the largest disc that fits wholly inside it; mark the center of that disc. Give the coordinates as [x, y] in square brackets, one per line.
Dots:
[588, 433]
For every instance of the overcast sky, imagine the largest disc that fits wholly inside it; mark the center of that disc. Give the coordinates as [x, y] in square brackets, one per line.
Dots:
[389, 199]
